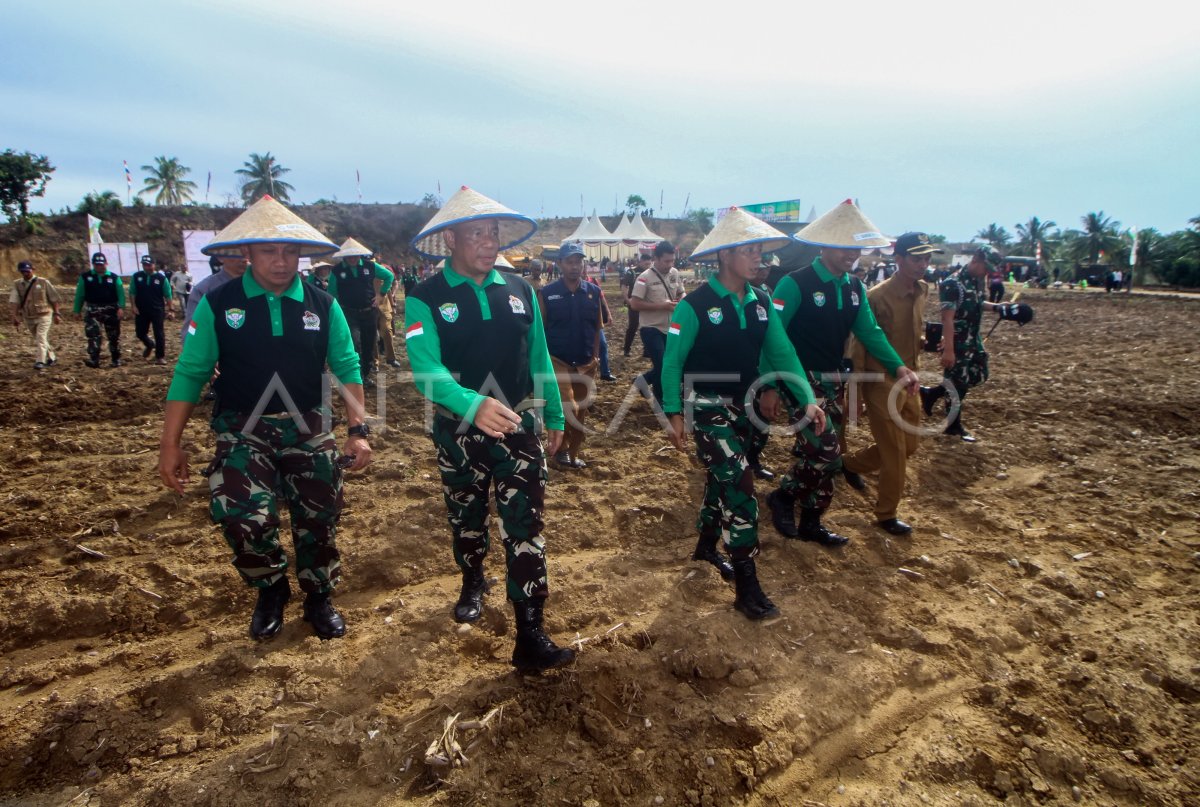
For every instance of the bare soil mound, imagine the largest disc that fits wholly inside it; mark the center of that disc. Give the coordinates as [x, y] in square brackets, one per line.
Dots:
[1034, 641]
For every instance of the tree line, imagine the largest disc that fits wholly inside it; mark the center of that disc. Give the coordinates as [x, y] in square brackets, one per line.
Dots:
[1172, 258]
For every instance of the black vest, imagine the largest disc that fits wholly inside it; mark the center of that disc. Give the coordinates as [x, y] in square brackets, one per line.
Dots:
[489, 356]
[148, 290]
[722, 346]
[250, 356]
[100, 289]
[819, 330]
[355, 284]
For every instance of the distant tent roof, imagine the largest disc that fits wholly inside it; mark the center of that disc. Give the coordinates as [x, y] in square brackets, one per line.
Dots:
[638, 231]
[583, 224]
[623, 227]
[593, 232]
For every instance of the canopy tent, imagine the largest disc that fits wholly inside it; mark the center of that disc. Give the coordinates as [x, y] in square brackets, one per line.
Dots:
[597, 241]
[639, 232]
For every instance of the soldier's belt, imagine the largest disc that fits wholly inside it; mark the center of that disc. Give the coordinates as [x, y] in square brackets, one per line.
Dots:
[528, 403]
[97, 307]
[314, 420]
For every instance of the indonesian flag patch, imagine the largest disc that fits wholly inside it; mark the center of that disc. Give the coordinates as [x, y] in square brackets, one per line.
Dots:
[778, 304]
[192, 328]
[673, 329]
[416, 329]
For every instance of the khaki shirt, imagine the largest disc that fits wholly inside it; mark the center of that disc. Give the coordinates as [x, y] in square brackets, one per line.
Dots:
[655, 288]
[899, 308]
[38, 303]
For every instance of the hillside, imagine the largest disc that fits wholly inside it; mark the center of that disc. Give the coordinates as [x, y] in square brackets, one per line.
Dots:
[59, 253]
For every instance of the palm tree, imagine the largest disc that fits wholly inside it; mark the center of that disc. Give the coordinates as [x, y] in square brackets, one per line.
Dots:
[1100, 234]
[167, 178]
[99, 203]
[994, 234]
[1034, 232]
[261, 177]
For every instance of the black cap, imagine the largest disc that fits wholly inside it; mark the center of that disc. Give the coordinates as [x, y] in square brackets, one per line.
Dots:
[24, 266]
[916, 244]
[147, 260]
[98, 259]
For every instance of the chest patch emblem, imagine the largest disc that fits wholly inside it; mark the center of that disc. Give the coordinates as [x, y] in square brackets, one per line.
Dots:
[311, 321]
[715, 316]
[818, 298]
[449, 311]
[853, 298]
[235, 317]
[762, 313]
[516, 304]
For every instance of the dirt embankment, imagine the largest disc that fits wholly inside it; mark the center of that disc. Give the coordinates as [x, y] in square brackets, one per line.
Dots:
[1035, 640]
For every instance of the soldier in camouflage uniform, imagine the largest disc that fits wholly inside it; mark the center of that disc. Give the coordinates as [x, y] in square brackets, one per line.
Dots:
[720, 338]
[272, 335]
[821, 306]
[964, 360]
[100, 298]
[478, 351]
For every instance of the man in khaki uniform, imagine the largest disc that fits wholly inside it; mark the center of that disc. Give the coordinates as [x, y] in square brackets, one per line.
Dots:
[387, 318]
[35, 301]
[898, 304]
[655, 293]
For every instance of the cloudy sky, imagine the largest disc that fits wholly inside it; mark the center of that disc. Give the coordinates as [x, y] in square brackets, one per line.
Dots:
[941, 116]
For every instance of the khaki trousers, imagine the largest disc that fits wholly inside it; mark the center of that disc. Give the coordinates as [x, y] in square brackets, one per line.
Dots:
[385, 315]
[40, 328]
[893, 445]
[577, 388]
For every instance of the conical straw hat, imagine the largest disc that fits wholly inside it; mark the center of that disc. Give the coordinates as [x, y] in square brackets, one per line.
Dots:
[469, 205]
[844, 227]
[268, 222]
[736, 229]
[352, 249]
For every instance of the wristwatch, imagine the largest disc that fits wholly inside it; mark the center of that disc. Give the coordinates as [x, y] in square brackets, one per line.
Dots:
[361, 430]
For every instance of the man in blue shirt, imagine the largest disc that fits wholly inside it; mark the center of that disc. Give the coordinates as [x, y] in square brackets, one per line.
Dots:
[572, 312]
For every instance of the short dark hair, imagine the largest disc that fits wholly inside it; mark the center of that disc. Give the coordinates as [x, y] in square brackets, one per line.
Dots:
[663, 248]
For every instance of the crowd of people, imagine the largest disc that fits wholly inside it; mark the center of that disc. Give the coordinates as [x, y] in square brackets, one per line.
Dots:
[510, 366]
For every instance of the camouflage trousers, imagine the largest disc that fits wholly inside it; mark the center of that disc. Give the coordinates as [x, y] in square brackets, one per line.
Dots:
[471, 463]
[95, 317]
[970, 368]
[758, 437]
[244, 478]
[723, 434]
[818, 456]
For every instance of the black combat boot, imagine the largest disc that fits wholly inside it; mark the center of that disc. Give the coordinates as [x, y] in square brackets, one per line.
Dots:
[930, 396]
[470, 602]
[783, 513]
[811, 529]
[955, 428]
[706, 549]
[853, 480]
[324, 618]
[268, 613]
[535, 651]
[750, 599]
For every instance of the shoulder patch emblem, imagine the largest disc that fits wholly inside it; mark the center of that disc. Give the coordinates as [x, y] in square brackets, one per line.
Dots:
[235, 317]
[311, 321]
[762, 313]
[449, 311]
[818, 298]
[516, 304]
[853, 298]
[715, 316]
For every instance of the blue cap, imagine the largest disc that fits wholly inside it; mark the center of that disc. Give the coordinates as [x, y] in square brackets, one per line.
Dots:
[569, 249]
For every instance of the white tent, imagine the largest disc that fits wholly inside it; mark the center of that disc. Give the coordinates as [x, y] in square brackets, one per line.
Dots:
[597, 241]
[583, 225]
[638, 231]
